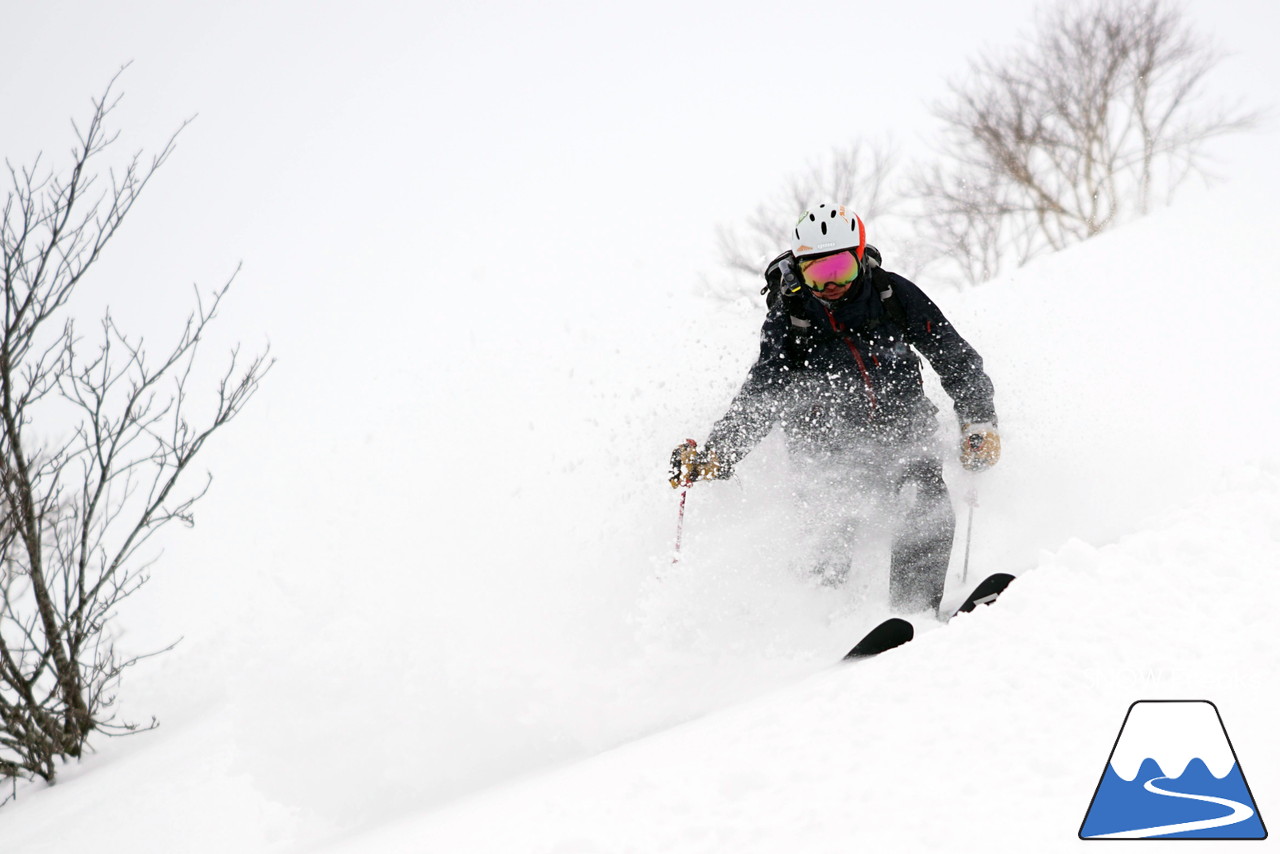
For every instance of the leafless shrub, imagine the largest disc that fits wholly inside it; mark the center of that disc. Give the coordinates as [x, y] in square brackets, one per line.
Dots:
[96, 439]
[1102, 114]
[857, 175]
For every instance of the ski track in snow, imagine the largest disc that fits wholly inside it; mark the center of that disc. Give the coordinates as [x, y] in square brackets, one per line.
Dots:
[1239, 812]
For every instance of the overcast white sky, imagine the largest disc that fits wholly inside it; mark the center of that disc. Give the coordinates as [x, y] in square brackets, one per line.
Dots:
[344, 145]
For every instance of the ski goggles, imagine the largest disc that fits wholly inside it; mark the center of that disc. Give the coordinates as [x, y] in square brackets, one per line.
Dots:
[839, 270]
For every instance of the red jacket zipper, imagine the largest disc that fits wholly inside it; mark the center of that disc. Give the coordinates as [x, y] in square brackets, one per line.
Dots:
[857, 357]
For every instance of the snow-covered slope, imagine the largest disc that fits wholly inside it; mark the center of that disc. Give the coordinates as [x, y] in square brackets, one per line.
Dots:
[342, 703]
[988, 735]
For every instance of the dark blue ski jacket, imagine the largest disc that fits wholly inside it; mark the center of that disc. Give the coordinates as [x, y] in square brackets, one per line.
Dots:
[830, 374]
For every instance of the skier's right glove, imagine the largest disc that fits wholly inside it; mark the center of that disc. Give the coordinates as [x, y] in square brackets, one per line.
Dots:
[688, 464]
[980, 447]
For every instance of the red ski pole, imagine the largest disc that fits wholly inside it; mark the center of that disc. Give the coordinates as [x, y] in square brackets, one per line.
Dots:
[675, 557]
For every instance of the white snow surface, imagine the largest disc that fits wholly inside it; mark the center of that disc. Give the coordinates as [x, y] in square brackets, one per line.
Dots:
[538, 677]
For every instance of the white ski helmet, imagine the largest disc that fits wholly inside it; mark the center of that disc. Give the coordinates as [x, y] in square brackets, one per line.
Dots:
[826, 229]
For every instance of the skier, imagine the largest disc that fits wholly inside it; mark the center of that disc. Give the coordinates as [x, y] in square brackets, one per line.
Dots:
[838, 374]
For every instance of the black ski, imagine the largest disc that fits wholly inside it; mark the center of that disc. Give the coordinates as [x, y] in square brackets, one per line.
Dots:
[986, 592]
[895, 631]
[892, 632]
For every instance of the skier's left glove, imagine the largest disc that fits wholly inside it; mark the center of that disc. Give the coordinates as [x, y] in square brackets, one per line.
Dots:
[980, 447]
[688, 464]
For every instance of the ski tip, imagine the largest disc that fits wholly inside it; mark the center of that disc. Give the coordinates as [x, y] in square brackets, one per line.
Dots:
[893, 632]
[986, 592]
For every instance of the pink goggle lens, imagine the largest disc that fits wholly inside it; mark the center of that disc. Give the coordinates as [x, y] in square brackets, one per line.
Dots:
[838, 269]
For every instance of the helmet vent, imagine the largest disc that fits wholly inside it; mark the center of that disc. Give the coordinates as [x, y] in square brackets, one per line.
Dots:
[824, 227]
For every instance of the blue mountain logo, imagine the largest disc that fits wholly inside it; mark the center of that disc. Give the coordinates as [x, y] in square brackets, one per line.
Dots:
[1173, 774]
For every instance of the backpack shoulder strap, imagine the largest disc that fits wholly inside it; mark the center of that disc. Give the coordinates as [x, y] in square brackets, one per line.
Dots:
[892, 305]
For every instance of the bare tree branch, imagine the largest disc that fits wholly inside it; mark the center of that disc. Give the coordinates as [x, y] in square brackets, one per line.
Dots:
[858, 174]
[77, 510]
[1100, 114]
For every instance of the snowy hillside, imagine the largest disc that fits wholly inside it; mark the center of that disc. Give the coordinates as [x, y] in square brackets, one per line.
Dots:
[989, 735]
[696, 707]
[1140, 499]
